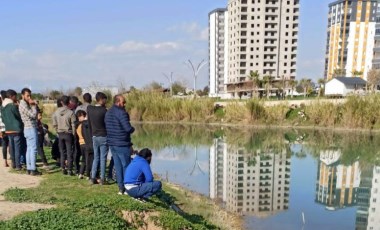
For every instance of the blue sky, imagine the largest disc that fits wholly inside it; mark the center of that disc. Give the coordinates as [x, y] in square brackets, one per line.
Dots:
[61, 44]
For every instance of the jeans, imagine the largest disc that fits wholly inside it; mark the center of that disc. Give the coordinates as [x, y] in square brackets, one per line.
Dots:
[66, 147]
[22, 149]
[5, 144]
[14, 149]
[145, 190]
[100, 154]
[121, 158]
[31, 137]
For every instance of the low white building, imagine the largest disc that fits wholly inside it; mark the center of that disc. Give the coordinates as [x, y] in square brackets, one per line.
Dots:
[343, 86]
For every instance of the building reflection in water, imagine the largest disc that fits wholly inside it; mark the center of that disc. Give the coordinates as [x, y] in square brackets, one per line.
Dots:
[250, 183]
[368, 212]
[337, 184]
[340, 186]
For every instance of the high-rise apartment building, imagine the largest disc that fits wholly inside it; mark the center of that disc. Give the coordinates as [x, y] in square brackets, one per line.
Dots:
[218, 55]
[351, 38]
[262, 36]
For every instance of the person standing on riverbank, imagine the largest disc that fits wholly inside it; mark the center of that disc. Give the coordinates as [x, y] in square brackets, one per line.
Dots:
[138, 178]
[64, 122]
[4, 138]
[87, 100]
[119, 132]
[13, 127]
[95, 116]
[28, 112]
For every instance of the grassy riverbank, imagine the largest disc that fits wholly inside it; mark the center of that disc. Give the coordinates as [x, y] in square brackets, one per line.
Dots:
[357, 112]
[82, 206]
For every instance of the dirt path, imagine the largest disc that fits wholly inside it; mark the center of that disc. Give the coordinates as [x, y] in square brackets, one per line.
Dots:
[11, 180]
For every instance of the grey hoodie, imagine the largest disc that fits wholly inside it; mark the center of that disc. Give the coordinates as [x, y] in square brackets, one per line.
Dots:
[64, 120]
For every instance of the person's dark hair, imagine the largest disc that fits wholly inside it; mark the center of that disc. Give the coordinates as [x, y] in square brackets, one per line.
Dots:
[65, 100]
[116, 98]
[3, 94]
[74, 99]
[99, 96]
[81, 113]
[145, 153]
[10, 93]
[26, 90]
[87, 98]
[59, 102]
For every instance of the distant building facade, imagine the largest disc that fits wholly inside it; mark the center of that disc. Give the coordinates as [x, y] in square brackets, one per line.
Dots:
[351, 38]
[218, 52]
[258, 36]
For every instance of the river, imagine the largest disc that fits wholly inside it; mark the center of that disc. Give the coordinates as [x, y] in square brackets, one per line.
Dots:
[274, 178]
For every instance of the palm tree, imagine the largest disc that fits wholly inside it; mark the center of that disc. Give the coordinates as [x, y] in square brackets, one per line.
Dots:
[321, 83]
[305, 83]
[254, 76]
[357, 73]
[339, 72]
[267, 80]
[293, 84]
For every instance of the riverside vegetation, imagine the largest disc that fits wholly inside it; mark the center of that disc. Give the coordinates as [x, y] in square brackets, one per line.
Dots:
[358, 112]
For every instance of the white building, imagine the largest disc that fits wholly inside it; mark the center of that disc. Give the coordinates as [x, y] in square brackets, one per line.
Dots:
[374, 202]
[258, 36]
[218, 53]
[343, 86]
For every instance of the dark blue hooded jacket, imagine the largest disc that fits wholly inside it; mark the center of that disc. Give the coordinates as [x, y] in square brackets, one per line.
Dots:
[138, 171]
[118, 127]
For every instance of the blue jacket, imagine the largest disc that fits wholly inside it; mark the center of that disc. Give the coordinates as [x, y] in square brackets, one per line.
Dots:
[118, 127]
[138, 172]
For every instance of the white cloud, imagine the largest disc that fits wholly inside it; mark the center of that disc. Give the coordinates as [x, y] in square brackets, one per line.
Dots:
[133, 46]
[192, 29]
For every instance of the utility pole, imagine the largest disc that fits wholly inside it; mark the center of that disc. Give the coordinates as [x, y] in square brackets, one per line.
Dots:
[170, 79]
[195, 71]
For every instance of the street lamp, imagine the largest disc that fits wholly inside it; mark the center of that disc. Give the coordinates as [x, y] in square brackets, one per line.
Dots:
[170, 79]
[195, 71]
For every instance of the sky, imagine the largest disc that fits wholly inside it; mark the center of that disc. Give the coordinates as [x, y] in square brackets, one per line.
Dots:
[59, 45]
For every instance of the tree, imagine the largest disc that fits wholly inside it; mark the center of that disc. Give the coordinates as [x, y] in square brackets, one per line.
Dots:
[339, 72]
[357, 73]
[321, 83]
[55, 94]
[254, 76]
[153, 86]
[178, 87]
[267, 80]
[373, 78]
[78, 91]
[305, 84]
[293, 84]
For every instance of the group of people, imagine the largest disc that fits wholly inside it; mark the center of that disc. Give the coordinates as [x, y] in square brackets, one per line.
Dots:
[85, 135]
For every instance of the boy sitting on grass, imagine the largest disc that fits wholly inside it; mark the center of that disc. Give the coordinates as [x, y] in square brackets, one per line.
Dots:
[138, 178]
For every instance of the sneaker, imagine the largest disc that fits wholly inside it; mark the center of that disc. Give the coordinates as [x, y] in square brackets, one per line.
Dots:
[71, 173]
[103, 182]
[18, 169]
[93, 181]
[80, 176]
[64, 172]
[28, 172]
[139, 199]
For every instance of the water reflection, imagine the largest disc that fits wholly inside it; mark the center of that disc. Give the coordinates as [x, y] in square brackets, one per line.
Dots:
[274, 177]
[256, 183]
[337, 184]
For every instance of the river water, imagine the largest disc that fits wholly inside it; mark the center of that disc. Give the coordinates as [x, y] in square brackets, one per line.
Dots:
[274, 178]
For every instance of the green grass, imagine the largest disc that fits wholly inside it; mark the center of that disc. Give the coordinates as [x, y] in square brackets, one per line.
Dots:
[80, 205]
